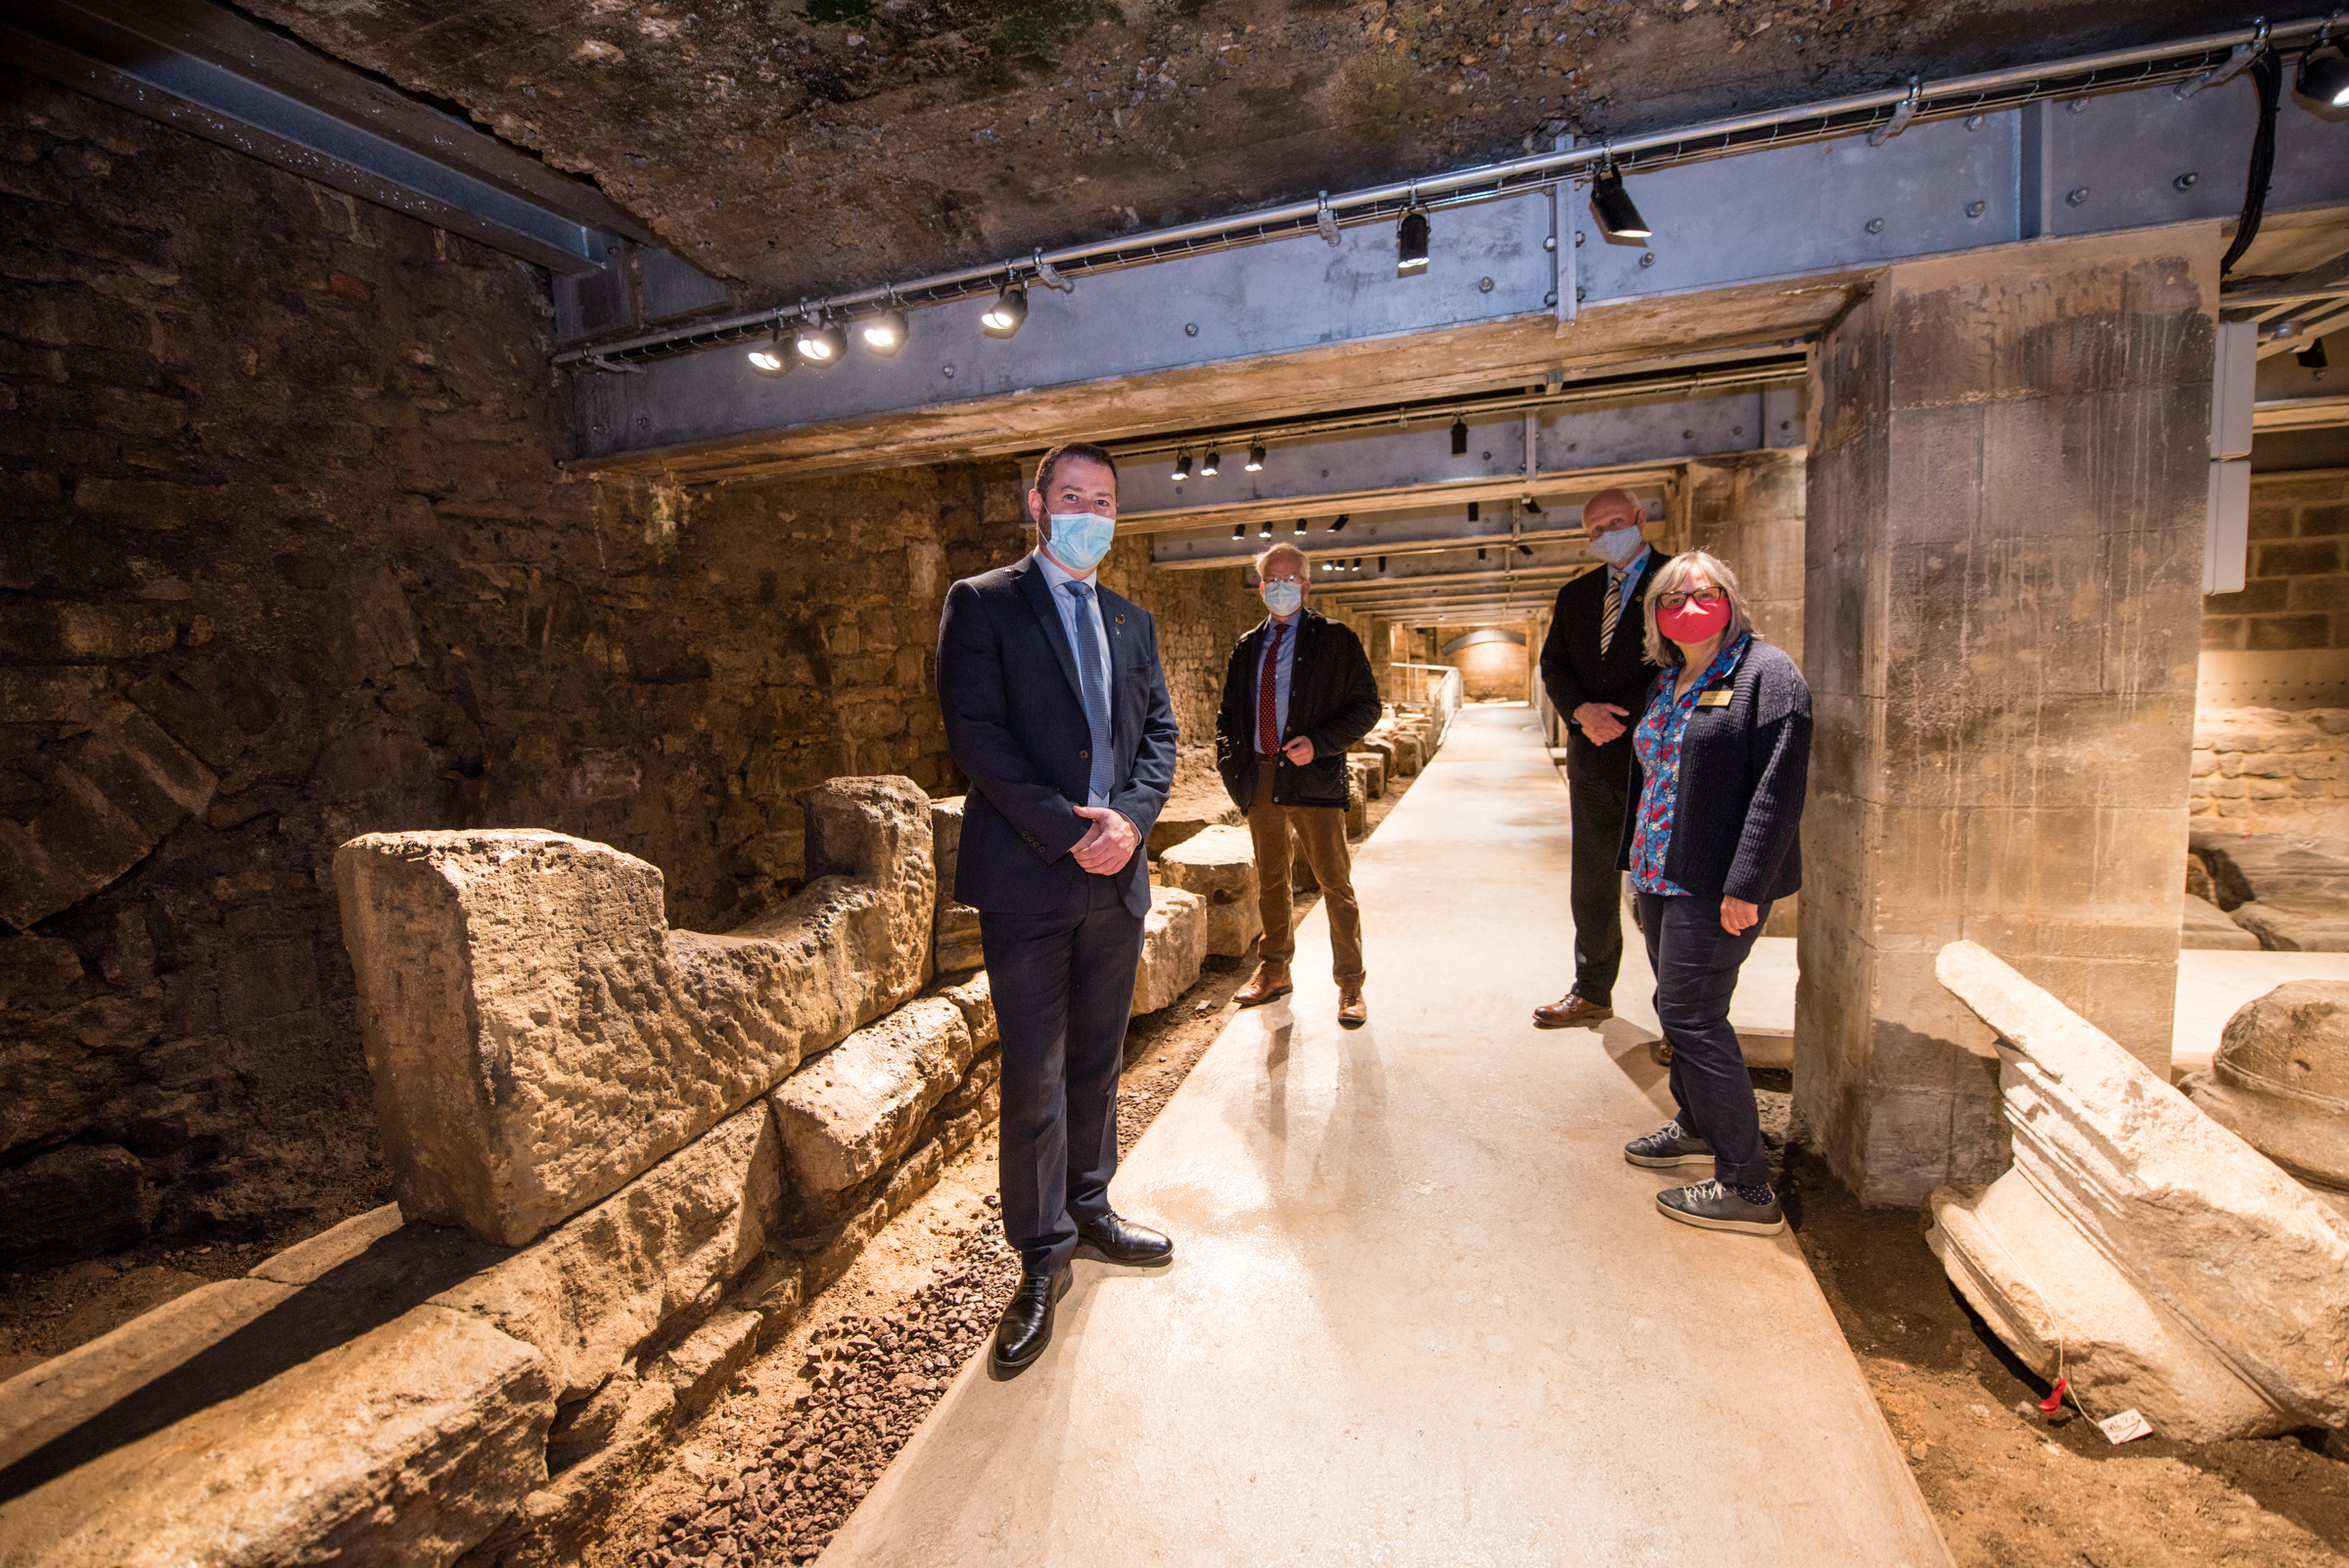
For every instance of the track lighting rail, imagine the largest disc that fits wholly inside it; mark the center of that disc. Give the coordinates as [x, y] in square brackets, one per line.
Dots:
[1911, 101]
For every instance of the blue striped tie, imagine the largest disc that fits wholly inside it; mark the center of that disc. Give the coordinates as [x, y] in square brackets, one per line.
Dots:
[1096, 687]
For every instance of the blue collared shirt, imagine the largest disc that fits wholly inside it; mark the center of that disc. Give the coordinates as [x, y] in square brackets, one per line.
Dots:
[1617, 576]
[1059, 577]
[1280, 678]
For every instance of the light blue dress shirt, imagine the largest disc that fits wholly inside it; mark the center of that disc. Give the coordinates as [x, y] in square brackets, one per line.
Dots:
[1618, 575]
[1280, 678]
[1059, 577]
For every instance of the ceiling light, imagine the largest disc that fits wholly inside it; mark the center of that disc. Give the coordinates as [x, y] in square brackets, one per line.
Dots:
[2312, 357]
[2323, 76]
[1207, 470]
[819, 343]
[1239, 530]
[1474, 511]
[771, 358]
[886, 332]
[1525, 549]
[1182, 467]
[1003, 317]
[1256, 460]
[1616, 211]
[1300, 529]
[1337, 524]
[1382, 563]
[2286, 327]
[1410, 244]
[1460, 437]
[1264, 530]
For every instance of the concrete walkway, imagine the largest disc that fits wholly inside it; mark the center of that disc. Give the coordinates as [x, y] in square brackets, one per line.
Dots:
[1421, 1312]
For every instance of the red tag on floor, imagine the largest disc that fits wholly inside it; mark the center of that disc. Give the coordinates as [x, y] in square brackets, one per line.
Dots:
[2054, 1401]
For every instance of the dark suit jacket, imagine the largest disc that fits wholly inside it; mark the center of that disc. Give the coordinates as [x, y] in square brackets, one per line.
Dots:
[1015, 722]
[1575, 673]
[1333, 700]
[1745, 769]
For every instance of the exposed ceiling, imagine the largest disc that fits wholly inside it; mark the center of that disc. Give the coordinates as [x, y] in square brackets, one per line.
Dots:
[797, 147]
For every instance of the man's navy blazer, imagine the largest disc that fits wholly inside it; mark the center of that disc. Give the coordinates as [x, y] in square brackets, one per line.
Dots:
[1015, 722]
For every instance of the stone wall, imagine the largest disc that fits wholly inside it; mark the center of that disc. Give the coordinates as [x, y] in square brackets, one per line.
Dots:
[2295, 591]
[1491, 671]
[287, 556]
[2271, 731]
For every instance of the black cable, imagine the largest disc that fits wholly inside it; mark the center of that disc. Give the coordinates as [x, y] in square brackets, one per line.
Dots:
[2267, 75]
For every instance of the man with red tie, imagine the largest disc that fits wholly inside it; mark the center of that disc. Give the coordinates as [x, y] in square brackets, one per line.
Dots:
[1297, 695]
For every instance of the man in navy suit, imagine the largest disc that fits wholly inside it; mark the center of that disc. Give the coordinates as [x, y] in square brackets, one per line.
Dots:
[1056, 712]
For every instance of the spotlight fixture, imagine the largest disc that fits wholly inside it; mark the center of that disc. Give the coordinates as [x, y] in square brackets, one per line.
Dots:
[1382, 563]
[1207, 470]
[1460, 437]
[2312, 357]
[1530, 506]
[819, 343]
[886, 332]
[1410, 244]
[1616, 215]
[1299, 529]
[1525, 549]
[1474, 511]
[1256, 460]
[2324, 73]
[1003, 317]
[1182, 467]
[1264, 530]
[1337, 524]
[771, 358]
[1239, 530]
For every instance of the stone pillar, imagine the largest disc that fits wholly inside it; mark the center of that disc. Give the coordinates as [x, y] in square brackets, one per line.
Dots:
[2002, 564]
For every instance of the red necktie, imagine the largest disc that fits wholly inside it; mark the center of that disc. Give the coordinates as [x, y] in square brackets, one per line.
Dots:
[1268, 710]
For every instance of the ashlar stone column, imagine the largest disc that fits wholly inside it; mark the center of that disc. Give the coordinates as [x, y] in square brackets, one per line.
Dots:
[2003, 580]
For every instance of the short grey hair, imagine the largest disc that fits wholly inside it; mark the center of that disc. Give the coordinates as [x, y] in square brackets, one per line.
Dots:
[1662, 650]
[1277, 552]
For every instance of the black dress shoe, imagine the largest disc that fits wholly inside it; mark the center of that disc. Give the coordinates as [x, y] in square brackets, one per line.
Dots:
[1026, 1327]
[1122, 1242]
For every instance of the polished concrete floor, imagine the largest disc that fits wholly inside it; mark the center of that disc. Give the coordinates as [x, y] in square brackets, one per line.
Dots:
[1420, 1313]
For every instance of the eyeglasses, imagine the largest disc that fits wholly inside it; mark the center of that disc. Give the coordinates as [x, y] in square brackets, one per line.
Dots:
[1703, 596]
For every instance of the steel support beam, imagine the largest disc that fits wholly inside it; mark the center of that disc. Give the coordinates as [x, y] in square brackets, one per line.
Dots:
[1384, 471]
[210, 71]
[1422, 532]
[1268, 328]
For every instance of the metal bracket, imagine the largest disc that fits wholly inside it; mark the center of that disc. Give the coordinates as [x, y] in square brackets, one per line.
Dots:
[1902, 115]
[1048, 275]
[2235, 63]
[1325, 221]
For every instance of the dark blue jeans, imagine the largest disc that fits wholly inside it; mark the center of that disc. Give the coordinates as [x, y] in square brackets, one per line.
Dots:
[1696, 963]
[1063, 984]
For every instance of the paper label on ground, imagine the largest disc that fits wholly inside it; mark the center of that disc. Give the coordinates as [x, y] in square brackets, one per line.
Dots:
[2125, 1427]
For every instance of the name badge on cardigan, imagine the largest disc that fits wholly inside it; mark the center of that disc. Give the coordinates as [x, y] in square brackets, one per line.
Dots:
[1716, 698]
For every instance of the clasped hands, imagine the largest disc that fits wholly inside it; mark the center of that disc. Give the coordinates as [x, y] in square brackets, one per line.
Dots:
[1108, 844]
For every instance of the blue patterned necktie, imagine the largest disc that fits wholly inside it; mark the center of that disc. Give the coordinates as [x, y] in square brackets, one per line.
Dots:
[1094, 683]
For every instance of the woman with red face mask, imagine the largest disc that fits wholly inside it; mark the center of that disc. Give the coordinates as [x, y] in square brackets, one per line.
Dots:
[1718, 764]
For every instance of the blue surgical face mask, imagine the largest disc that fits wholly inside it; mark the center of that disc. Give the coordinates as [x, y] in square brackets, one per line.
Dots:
[1079, 539]
[1617, 546]
[1283, 598]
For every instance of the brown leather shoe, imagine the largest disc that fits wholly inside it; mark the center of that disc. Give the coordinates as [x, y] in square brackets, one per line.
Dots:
[1352, 1011]
[1270, 981]
[1659, 1052]
[1571, 1012]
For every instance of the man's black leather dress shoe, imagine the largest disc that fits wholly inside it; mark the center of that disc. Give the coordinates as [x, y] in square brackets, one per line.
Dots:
[1123, 1242]
[1026, 1326]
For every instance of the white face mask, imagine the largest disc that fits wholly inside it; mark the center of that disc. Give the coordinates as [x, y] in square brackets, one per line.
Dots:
[1283, 598]
[1617, 546]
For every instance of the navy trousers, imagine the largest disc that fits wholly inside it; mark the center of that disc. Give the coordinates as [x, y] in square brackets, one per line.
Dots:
[1063, 984]
[1696, 963]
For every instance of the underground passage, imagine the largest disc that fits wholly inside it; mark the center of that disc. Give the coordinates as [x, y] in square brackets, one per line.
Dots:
[1184, 781]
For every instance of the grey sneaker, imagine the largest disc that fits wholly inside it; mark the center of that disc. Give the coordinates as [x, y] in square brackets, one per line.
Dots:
[1715, 1207]
[1667, 1147]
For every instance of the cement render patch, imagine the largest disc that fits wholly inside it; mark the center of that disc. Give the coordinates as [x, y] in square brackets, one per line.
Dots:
[1420, 1310]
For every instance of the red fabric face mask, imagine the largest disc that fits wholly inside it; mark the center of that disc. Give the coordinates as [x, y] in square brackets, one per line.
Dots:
[1694, 622]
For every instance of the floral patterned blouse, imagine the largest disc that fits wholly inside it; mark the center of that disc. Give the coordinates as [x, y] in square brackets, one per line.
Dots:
[1657, 743]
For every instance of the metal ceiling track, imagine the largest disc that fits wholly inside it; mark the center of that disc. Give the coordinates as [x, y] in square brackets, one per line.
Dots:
[1879, 115]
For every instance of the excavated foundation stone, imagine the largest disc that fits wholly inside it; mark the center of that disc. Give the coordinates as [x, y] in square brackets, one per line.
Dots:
[536, 1033]
[2280, 1080]
[2170, 1268]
